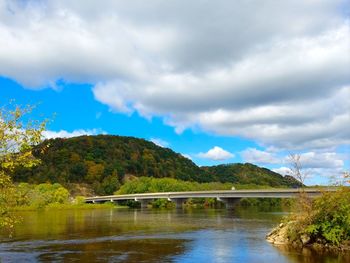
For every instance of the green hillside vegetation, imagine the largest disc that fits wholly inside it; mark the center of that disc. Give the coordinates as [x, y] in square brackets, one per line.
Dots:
[152, 185]
[105, 161]
[49, 196]
[249, 174]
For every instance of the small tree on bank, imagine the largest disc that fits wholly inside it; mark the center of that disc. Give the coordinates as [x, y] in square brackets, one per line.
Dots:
[296, 168]
[17, 136]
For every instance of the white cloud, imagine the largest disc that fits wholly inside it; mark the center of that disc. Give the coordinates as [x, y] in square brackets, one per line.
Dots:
[216, 154]
[186, 156]
[227, 67]
[283, 170]
[160, 142]
[321, 160]
[253, 155]
[314, 164]
[324, 160]
[66, 134]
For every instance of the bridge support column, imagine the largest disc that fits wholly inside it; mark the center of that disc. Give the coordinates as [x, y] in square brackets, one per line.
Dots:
[230, 203]
[178, 201]
[144, 202]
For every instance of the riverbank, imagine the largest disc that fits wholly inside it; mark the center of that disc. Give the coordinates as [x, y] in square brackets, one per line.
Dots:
[321, 224]
[279, 236]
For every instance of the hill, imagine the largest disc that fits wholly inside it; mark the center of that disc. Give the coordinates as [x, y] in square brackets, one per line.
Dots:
[104, 161]
[248, 173]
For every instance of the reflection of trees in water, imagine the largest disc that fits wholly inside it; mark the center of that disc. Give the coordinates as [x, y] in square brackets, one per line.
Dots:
[140, 250]
[152, 235]
[311, 255]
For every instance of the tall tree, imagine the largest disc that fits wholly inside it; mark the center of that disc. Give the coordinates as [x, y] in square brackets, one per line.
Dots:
[17, 136]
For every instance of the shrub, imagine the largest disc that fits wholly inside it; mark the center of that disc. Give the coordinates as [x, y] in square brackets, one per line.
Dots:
[331, 217]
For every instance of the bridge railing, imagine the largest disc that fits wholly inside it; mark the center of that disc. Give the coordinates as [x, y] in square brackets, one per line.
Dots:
[227, 196]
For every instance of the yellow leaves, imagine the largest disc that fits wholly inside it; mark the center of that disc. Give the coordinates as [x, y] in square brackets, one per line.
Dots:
[95, 171]
[16, 140]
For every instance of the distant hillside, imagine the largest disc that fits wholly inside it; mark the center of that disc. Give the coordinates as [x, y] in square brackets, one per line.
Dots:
[249, 174]
[104, 161]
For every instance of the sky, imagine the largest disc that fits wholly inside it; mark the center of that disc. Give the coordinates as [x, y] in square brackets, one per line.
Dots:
[217, 81]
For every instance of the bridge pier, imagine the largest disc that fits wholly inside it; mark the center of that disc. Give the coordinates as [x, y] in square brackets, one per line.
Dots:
[230, 203]
[178, 201]
[144, 202]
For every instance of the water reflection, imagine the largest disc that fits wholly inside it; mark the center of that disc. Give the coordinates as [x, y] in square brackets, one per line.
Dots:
[125, 235]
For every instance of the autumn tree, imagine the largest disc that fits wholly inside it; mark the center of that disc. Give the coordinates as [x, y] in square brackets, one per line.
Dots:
[17, 136]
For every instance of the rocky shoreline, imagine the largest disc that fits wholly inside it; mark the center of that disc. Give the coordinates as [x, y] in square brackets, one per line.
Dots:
[279, 237]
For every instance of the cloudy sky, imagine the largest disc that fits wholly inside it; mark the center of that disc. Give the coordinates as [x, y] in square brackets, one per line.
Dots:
[218, 81]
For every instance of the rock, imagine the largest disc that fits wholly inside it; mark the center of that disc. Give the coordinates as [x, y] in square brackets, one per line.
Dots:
[305, 239]
[278, 235]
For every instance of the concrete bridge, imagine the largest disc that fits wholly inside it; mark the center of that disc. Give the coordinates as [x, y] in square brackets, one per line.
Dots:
[229, 197]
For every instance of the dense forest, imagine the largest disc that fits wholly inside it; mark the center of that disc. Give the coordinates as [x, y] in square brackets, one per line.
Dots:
[105, 161]
[248, 173]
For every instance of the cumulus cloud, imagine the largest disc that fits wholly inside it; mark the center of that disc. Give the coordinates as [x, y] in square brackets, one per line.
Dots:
[160, 142]
[216, 154]
[66, 134]
[253, 155]
[328, 160]
[233, 68]
[327, 165]
[283, 170]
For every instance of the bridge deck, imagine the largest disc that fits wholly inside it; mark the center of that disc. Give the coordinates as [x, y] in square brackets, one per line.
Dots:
[221, 194]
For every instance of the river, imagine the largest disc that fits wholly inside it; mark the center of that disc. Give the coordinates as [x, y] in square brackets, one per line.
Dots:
[150, 235]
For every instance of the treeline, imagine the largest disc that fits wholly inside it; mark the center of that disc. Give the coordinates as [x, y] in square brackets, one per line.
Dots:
[247, 173]
[39, 196]
[152, 185]
[104, 161]
[46, 195]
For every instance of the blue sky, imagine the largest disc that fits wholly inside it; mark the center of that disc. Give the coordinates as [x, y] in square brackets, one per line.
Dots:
[218, 82]
[73, 108]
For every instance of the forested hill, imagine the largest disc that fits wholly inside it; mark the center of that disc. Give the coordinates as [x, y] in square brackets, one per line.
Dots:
[248, 173]
[103, 161]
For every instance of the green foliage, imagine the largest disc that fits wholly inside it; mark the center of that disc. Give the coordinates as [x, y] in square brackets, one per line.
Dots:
[17, 137]
[149, 185]
[44, 194]
[162, 203]
[104, 161]
[250, 174]
[331, 217]
[7, 200]
[79, 200]
[325, 219]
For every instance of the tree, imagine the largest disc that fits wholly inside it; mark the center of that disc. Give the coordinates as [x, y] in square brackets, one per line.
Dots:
[296, 168]
[17, 136]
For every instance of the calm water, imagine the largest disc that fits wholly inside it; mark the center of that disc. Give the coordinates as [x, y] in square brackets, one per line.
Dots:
[126, 235]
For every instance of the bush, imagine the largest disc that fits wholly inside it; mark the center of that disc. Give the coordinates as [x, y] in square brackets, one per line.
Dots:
[325, 219]
[331, 217]
[41, 195]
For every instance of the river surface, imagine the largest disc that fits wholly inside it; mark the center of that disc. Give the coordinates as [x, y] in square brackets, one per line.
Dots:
[150, 235]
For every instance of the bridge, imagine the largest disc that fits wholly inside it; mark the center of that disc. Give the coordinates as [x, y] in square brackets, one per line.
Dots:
[229, 197]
